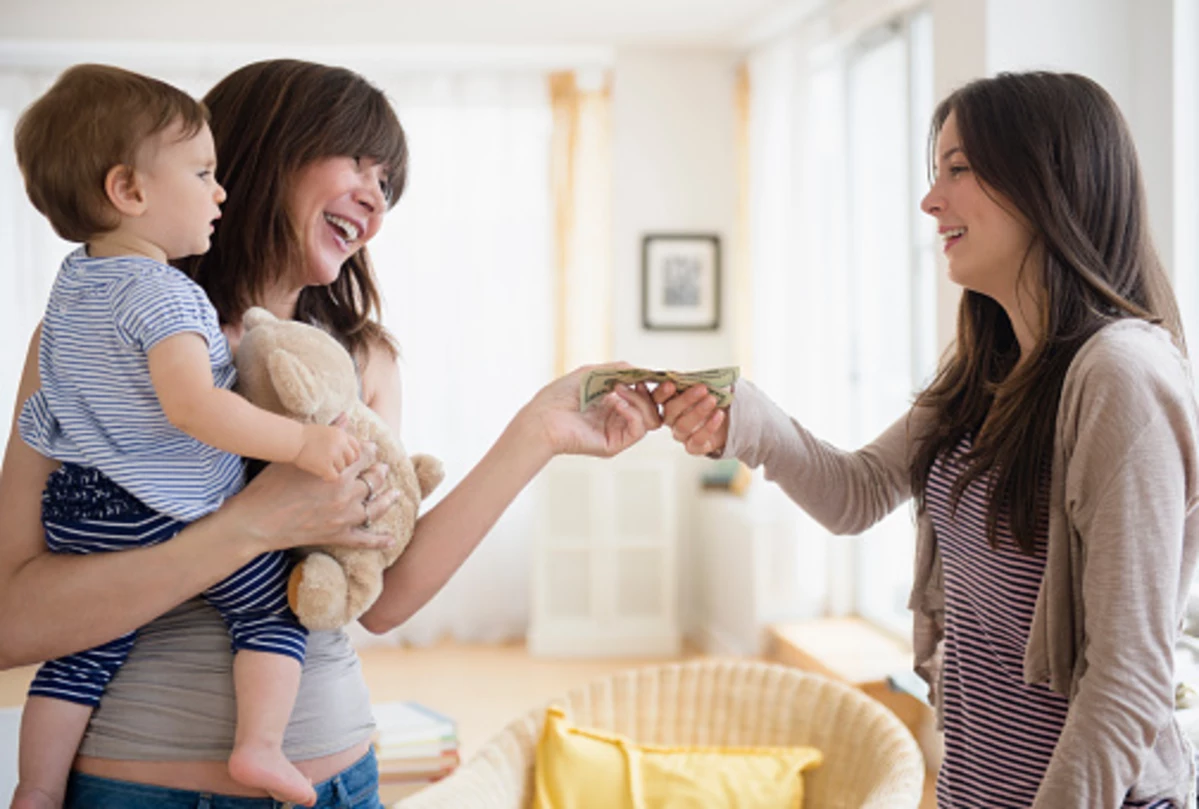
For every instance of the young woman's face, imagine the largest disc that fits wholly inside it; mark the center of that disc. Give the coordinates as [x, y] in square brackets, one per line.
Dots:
[984, 239]
[337, 205]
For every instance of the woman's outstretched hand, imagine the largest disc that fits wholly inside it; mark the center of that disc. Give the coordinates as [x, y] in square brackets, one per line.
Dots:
[693, 418]
[611, 425]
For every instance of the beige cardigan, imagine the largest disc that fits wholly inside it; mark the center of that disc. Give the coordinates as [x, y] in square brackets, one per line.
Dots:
[1123, 538]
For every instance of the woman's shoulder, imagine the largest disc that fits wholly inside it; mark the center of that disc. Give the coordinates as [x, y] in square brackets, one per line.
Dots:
[1131, 353]
[1129, 371]
[381, 389]
[377, 353]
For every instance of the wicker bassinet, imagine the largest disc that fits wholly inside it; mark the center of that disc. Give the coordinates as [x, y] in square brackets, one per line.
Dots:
[871, 760]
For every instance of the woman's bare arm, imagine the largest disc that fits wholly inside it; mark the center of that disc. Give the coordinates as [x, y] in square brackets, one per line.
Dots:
[44, 595]
[549, 424]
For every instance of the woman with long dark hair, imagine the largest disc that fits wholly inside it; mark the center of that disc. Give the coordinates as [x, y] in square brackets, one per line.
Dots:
[311, 158]
[1053, 461]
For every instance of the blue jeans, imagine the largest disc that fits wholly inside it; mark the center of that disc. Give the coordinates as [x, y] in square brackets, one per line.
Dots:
[356, 787]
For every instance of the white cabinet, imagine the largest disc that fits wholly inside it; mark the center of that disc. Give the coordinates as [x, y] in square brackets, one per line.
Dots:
[605, 568]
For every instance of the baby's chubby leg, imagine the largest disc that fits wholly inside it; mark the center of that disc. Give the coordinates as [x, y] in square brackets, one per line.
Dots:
[265, 685]
[51, 730]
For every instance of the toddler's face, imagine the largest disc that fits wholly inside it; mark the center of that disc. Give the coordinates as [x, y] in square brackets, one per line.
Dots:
[176, 173]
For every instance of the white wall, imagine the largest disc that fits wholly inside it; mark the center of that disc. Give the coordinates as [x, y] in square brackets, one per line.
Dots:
[1086, 36]
[959, 55]
[384, 22]
[1186, 163]
[1124, 45]
[10, 724]
[673, 157]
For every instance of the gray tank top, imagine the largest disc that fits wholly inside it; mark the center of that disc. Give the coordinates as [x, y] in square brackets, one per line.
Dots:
[173, 698]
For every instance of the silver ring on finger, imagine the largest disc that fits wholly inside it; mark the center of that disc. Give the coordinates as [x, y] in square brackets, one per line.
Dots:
[370, 489]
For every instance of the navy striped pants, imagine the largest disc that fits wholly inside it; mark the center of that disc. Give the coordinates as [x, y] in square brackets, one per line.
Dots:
[85, 512]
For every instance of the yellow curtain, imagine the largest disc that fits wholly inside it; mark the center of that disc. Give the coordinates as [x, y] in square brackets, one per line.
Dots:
[581, 180]
[742, 297]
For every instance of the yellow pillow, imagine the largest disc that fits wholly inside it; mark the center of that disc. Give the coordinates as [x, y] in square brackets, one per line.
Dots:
[580, 768]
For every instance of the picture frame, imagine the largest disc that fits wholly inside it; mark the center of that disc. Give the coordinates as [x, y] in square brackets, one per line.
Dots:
[680, 282]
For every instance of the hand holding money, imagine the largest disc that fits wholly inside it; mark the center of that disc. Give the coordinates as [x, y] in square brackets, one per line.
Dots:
[719, 382]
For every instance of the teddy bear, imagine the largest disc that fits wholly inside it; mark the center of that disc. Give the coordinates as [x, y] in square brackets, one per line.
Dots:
[302, 372]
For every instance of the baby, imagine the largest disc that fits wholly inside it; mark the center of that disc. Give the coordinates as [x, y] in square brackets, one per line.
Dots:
[135, 402]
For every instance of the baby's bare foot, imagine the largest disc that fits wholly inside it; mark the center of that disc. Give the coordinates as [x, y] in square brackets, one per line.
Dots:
[265, 767]
[33, 798]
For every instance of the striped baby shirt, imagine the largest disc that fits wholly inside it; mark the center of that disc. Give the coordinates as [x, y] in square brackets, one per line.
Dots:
[97, 407]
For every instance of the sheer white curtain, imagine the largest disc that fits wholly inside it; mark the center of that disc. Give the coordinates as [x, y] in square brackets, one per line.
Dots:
[841, 300]
[464, 262]
[893, 270]
[30, 252]
[790, 303]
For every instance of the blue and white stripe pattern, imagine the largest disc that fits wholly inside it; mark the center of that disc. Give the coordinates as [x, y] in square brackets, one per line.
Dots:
[1000, 732]
[85, 512]
[97, 407]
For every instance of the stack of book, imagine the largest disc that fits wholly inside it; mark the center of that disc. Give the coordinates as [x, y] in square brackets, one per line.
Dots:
[415, 746]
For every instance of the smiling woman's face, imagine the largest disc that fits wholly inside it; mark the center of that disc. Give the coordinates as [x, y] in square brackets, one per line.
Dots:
[336, 205]
[985, 242]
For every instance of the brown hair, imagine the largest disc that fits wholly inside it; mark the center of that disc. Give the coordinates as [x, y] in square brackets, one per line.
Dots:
[270, 119]
[1056, 146]
[95, 117]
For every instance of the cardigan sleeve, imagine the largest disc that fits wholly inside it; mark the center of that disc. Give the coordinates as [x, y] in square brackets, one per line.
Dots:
[1129, 487]
[847, 492]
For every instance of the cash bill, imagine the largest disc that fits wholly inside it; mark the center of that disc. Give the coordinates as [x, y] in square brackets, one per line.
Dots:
[719, 382]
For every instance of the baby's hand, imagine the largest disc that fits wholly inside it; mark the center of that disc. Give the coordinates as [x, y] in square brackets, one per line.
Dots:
[326, 451]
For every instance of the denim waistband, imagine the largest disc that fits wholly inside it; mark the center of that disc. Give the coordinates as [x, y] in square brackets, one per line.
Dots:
[355, 787]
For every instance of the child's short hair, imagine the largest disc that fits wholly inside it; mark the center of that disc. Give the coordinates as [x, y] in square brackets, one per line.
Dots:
[93, 118]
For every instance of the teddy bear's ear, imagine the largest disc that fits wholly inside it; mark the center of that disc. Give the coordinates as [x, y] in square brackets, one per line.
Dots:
[256, 316]
[293, 382]
[429, 473]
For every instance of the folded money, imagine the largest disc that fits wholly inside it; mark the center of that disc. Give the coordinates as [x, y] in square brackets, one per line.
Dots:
[719, 382]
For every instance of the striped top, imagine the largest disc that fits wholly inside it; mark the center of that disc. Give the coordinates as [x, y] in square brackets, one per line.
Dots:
[1000, 732]
[97, 406]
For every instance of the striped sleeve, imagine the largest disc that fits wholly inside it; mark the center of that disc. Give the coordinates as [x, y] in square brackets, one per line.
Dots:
[153, 306]
[37, 425]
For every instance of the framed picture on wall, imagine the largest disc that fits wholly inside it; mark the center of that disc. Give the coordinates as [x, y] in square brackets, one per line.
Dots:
[680, 281]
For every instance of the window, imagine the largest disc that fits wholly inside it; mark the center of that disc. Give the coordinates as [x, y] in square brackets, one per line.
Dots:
[892, 261]
[844, 280]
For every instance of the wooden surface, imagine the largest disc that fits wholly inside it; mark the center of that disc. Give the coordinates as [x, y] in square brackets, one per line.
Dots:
[848, 649]
[13, 685]
[854, 651]
[483, 687]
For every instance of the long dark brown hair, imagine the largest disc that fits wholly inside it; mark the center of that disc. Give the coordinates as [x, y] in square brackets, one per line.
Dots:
[1055, 147]
[269, 120]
